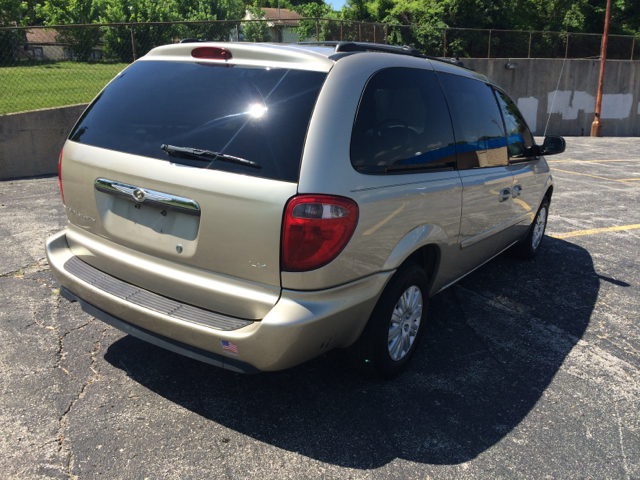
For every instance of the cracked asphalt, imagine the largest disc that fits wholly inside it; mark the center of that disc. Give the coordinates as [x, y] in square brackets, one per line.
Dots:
[527, 370]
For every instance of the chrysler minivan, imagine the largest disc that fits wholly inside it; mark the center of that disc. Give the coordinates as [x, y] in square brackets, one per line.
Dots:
[254, 206]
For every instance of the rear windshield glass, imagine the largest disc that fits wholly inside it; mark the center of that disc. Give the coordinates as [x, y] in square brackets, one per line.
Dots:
[255, 114]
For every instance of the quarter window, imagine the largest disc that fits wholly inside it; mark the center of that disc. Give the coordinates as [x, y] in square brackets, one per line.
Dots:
[477, 123]
[402, 124]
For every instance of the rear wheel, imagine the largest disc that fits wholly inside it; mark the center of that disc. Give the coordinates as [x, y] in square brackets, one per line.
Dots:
[393, 332]
[529, 245]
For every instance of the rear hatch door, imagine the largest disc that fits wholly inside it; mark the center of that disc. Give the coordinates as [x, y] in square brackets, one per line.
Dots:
[191, 163]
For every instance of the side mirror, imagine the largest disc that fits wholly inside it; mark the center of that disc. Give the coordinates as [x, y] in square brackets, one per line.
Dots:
[553, 146]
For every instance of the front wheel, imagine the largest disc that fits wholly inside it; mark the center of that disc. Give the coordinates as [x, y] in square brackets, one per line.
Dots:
[393, 332]
[529, 245]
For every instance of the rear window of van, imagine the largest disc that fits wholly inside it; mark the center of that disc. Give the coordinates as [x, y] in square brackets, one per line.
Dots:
[259, 115]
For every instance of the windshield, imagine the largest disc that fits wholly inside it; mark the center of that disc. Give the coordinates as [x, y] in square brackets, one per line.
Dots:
[257, 114]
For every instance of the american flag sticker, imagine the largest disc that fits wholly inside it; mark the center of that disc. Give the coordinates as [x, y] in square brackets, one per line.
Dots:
[227, 345]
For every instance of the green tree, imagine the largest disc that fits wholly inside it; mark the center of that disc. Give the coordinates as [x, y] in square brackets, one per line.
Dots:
[256, 31]
[10, 14]
[327, 30]
[209, 10]
[118, 43]
[81, 40]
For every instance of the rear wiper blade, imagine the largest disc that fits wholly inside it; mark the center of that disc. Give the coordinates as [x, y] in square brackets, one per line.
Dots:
[200, 154]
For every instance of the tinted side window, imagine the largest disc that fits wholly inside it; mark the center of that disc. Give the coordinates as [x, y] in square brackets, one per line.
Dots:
[477, 123]
[402, 124]
[519, 136]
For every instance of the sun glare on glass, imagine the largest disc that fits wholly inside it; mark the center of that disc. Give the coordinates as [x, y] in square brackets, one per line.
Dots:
[257, 111]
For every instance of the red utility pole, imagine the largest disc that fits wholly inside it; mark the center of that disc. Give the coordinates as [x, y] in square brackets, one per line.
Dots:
[596, 126]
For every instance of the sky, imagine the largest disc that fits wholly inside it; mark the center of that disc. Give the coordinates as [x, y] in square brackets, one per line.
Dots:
[336, 4]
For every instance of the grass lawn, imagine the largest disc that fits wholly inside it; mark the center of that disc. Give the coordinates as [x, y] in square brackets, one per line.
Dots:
[46, 85]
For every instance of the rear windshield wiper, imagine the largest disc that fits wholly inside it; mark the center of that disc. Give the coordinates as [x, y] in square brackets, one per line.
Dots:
[199, 154]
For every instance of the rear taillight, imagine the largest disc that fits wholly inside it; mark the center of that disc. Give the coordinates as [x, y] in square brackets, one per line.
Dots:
[60, 175]
[315, 230]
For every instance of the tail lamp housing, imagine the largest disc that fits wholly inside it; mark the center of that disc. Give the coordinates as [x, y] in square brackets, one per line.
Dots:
[60, 175]
[315, 230]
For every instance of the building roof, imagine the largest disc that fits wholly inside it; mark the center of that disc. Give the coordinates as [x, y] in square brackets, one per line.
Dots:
[40, 35]
[282, 16]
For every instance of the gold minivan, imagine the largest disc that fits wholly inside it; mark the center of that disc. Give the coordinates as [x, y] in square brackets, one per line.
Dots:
[254, 206]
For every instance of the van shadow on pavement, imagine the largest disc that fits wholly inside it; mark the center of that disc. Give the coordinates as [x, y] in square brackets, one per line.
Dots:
[494, 344]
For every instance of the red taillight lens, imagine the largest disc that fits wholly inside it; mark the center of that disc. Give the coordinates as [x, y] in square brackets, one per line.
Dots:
[315, 230]
[211, 53]
[60, 175]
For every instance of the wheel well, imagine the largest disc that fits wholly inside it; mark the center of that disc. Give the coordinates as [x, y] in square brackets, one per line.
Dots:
[427, 257]
[548, 193]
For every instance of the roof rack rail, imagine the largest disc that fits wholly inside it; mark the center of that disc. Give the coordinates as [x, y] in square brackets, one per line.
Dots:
[350, 47]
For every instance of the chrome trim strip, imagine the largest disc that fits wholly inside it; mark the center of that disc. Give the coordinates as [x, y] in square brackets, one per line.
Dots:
[151, 197]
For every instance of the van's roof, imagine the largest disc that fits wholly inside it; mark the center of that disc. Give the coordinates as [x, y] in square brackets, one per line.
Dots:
[252, 54]
[317, 56]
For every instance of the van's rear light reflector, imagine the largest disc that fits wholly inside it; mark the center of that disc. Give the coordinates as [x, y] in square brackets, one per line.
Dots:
[60, 175]
[211, 53]
[316, 229]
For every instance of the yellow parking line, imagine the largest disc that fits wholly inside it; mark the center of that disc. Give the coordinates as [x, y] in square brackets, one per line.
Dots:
[577, 233]
[523, 204]
[569, 160]
[385, 220]
[588, 175]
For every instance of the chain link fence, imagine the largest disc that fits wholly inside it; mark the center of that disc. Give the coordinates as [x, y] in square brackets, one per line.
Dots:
[43, 67]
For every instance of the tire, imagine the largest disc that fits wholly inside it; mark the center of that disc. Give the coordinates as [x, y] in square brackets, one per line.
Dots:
[527, 248]
[374, 354]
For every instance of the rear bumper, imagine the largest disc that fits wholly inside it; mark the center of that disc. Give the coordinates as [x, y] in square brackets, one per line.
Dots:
[300, 326]
[164, 342]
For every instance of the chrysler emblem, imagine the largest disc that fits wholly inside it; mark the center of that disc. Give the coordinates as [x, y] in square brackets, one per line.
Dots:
[138, 195]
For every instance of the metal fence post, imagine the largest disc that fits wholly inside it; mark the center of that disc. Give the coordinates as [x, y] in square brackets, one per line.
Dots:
[530, 35]
[238, 32]
[374, 33]
[386, 35]
[341, 26]
[133, 44]
[317, 30]
[359, 32]
[566, 48]
[489, 47]
[633, 44]
[444, 43]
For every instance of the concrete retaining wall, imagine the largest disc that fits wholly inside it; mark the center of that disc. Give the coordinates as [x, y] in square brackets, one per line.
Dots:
[30, 142]
[533, 86]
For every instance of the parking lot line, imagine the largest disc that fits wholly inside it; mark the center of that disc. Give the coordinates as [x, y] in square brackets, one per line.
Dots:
[569, 160]
[524, 205]
[577, 233]
[594, 176]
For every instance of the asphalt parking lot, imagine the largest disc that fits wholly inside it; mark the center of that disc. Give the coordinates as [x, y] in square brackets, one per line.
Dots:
[527, 369]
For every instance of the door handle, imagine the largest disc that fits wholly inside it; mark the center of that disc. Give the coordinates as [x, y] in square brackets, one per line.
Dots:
[517, 190]
[505, 193]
